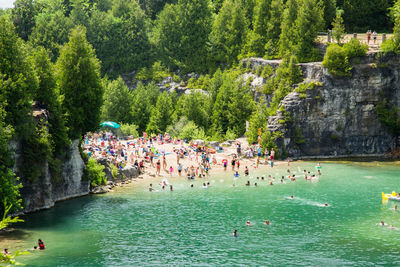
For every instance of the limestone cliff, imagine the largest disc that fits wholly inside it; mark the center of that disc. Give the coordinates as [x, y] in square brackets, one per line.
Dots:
[338, 118]
[45, 192]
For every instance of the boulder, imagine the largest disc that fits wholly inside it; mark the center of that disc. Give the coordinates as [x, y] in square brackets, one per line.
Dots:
[214, 144]
[129, 172]
[199, 142]
[226, 144]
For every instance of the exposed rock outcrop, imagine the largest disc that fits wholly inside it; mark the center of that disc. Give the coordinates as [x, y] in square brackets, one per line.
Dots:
[45, 192]
[339, 118]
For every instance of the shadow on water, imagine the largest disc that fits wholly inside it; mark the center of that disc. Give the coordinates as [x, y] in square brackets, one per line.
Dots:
[68, 210]
[14, 234]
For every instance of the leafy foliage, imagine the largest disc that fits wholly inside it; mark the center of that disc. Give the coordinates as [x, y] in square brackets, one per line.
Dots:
[130, 129]
[78, 75]
[336, 61]
[18, 80]
[229, 32]
[117, 102]
[338, 30]
[161, 114]
[389, 116]
[95, 173]
[181, 35]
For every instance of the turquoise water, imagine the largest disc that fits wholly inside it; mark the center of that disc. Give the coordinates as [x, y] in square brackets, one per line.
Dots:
[193, 226]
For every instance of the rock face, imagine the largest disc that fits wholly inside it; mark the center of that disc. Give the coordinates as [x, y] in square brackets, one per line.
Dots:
[339, 118]
[45, 192]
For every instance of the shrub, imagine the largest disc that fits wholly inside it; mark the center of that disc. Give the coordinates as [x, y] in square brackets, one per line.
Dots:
[130, 129]
[176, 78]
[176, 129]
[95, 173]
[259, 70]
[355, 48]
[230, 135]
[336, 61]
[190, 132]
[267, 71]
[114, 171]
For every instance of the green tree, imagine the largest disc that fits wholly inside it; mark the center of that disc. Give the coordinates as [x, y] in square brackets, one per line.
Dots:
[233, 106]
[274, 28]
[78, 76]
[393, 44]
[181, 35]
[153, 7]
[229, 32]
[372, 15]
[308, 23]
[121, 38]
[117, 102]
[23, 16]
[48, 97]
[161, 115]
[144, 99]
[9, 185]
[329, 12]
[257, 38]
[286, 39]
[51, 31]
[194, 107]
[338, 30]
[257, 120]
[19, 82]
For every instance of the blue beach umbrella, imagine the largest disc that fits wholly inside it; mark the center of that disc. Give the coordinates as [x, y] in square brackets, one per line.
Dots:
[110, 124]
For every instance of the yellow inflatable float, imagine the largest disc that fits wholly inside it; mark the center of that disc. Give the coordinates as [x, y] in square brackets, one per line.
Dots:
[392, 196]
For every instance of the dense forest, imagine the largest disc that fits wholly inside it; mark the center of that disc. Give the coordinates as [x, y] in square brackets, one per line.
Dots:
[67, 57]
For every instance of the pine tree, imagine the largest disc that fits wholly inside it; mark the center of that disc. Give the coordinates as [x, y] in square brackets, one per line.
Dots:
[287, 36]
[144, 98]
[229, 32]
[161, 115]
[257, 38]
[18, 80]
[78, 76]
[181, 35]
[117, 102]
[308, 23]
[338, 30]
[48, 97]
[274, 28]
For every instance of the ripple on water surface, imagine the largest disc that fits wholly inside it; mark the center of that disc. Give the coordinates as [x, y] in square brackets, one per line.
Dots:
[193, 226]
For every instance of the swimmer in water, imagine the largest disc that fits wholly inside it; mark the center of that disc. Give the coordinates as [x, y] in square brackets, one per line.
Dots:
[151, 187]
[326, 205]
[255, 184]
[266, 222]
[246, 171]
[170, 188]
[235, 234]
[204, 185]
[270, 183]
[191, 185]
[382, 223]
[395, 207]
[291, 196]
[248, 183]
[248, 223]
